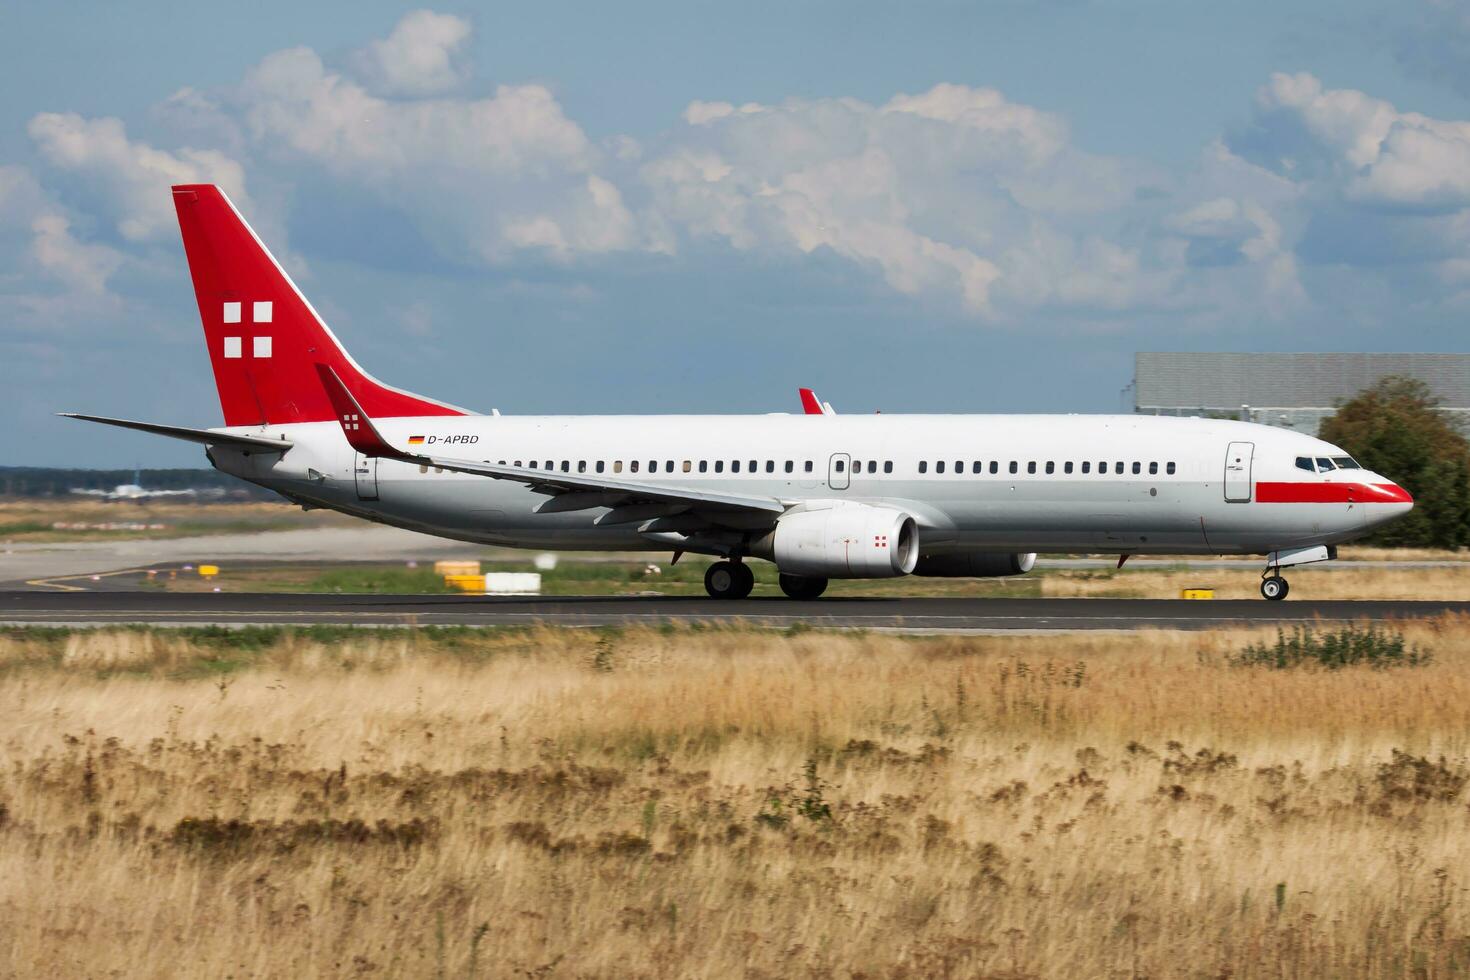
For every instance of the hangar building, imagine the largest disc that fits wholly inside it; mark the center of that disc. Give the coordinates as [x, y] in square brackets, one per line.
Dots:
[1296, 391]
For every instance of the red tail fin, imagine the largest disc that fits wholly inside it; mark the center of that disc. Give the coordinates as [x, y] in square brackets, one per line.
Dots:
[264, 338]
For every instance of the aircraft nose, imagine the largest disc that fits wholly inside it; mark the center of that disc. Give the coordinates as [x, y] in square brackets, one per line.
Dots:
[1391, 501]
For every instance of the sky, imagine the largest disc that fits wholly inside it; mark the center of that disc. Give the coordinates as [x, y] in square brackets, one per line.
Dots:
[698, 207]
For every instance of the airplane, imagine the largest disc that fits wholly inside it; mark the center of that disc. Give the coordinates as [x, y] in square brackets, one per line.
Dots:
[132, 491]
[849, 496]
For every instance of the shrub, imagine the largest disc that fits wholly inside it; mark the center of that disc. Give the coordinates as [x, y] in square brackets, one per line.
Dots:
[1350, 646]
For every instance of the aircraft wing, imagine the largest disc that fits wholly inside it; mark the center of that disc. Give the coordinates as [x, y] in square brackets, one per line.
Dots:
[590, 490]
[203, 436]
[812, 405]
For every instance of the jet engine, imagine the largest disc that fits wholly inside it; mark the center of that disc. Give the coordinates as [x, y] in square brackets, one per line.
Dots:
[975, 564]
[846, 540]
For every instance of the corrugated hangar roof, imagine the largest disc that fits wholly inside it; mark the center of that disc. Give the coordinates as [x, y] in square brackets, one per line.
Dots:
[1300, 380]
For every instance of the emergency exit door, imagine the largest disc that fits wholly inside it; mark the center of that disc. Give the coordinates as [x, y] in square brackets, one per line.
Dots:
[1238, 472]
[837, 467]
[366, 473]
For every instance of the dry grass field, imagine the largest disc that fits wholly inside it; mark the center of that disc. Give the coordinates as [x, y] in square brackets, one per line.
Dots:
[83, 519]
[727, 803]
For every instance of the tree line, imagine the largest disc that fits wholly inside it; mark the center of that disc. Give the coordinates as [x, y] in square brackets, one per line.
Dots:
[1396, 429]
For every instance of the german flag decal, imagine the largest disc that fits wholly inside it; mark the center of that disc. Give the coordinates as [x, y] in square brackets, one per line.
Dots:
[415, 440]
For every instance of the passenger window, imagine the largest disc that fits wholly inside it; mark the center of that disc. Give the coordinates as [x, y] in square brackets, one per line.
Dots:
[633, 466]
[653, 466]
[423, 467]
[550, 464]
[755, 466]
[704, 466]
[923, 466]
[939, 466]
[790, 465]
[687, 466]
[1305, 463]
[1118, 467]
[857, 466]
[734, 466]
[599, 466]
[1067, 467]
[959, 466]
[1324, 465]
[838, 466]
[807, 466]
[1050, 467]
[1137, 468]
[618, 466]
[1014, 466]
[1153, 469]
[1086, 466]
[1169, 468]
[566, 466]
[518, 462]
[1031, 467]
[581, 466]
[719, 466]
[994, 466]
[888, 466]
[770, 466]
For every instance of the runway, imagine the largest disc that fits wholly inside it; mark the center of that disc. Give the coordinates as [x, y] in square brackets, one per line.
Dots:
[918, 615]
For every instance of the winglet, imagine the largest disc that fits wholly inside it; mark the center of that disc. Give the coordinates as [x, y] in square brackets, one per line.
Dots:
[809, 403]
[361, 434]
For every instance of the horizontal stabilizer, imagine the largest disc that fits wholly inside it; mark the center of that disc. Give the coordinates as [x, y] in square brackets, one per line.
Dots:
[202, 436]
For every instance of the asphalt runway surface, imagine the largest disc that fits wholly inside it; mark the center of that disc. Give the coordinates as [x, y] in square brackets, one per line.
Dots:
[99, 608]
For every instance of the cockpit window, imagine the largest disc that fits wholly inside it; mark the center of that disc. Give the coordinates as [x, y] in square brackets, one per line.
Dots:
[1346, 463]
[1324, 465]
[1305, 463]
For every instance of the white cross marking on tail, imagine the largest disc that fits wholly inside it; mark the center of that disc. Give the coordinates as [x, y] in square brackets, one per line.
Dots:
[349, 422]
[261, 311]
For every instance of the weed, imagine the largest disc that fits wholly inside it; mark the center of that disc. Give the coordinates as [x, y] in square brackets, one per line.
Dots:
[1350, 646]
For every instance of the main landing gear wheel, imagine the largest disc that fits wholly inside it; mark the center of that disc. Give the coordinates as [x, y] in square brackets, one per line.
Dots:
[802, 587]
[1274, 587]
[729, 580]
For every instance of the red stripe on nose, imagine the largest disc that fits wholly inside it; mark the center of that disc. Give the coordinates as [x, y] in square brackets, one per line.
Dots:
[1331, 493]
[1392, 493]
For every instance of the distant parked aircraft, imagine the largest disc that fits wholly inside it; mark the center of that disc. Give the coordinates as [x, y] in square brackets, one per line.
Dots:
[132, 491]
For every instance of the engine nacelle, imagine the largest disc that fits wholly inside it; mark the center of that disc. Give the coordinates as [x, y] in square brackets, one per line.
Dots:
[975, 564]
[846, 540]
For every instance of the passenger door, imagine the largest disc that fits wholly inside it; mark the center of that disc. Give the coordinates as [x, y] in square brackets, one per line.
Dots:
[1238, 472]
[365, 470]
[837, 471]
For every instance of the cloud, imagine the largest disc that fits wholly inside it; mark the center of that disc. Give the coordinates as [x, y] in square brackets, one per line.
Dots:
[80, 266]
[422, 55]
[1361, 145]
[954, 193]
[132, 177]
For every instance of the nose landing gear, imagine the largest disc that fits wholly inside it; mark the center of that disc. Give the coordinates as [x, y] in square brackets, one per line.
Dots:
[1273, 586]
[729, 580]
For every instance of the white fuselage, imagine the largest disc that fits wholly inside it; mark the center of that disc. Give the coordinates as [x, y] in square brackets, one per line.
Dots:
[1151, 485]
